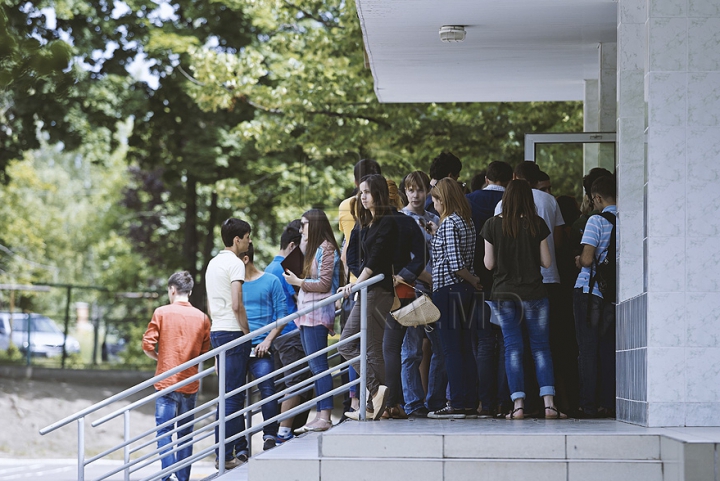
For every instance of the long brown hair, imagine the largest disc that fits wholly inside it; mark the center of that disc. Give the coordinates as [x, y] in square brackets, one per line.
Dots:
[319, 231]
[379, 191]
[454, 201]
[518, 203]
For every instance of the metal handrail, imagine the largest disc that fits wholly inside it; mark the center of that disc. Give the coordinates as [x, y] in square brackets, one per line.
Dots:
[219, 354]
[289, 391]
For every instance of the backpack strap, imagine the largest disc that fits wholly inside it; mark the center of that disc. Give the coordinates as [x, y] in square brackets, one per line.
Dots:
[610, 217]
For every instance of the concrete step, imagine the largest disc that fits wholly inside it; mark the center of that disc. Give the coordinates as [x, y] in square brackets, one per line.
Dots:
[487, 449]
[491, 439]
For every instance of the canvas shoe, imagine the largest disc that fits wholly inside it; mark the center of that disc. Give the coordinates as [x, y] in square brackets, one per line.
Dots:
[269, 443]
[230, 463]
[280, 439]
[447, 412]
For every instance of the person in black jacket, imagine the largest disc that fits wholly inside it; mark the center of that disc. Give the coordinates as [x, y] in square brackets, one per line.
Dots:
[378, 236]
[411, 256]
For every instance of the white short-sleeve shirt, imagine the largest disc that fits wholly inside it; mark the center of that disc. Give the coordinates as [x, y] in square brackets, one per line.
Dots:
[222, 271]
[547, 208]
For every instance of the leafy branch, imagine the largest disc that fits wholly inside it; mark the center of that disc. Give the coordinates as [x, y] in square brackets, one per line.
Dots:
[317, 17]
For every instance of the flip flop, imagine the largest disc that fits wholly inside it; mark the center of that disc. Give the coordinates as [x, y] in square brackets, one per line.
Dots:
[324, 427]
[557, 415]
[513, 416]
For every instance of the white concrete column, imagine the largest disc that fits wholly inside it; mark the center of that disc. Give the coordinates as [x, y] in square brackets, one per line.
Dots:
[669, 324]
[600, 109]
[607, 94]
[632, 300]
[591, 119]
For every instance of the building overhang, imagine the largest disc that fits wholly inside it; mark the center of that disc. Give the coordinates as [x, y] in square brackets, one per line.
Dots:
[515, 50]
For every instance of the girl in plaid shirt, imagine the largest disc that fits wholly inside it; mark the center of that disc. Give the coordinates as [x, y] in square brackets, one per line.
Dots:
[454, 289]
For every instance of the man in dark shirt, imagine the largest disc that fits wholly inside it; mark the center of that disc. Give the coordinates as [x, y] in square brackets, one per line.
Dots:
[444, 165]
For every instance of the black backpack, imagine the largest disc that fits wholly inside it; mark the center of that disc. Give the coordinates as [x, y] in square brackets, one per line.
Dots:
[604, 273]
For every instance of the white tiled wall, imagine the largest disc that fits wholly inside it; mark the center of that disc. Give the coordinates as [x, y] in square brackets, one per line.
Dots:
[669, 203]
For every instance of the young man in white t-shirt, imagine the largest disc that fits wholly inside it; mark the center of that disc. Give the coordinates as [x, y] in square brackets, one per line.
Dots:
[223, 281]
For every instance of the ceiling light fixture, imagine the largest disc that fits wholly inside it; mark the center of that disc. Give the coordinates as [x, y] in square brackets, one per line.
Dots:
[452, 33]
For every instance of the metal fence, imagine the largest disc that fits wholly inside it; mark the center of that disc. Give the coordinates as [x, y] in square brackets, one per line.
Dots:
[137, 450]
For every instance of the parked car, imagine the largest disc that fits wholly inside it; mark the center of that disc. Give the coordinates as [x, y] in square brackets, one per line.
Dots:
[46, 338]
[113, 344]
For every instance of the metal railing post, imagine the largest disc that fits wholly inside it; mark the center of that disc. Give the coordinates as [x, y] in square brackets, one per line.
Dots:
[221, 415]
[362, 389]
[81, 449]
[126, 449]
[248, 415]
[200, 386]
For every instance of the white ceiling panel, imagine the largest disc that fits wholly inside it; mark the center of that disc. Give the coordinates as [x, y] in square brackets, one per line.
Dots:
[514, 50]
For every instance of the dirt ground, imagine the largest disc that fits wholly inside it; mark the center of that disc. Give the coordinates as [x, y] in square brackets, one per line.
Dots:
[26, 406]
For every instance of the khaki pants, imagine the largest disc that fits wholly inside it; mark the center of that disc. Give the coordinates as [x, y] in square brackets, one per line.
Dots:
[379, 303]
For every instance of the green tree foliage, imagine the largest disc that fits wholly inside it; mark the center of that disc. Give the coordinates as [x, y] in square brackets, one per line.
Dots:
[31, 75]
[251, 109]
[61, 215]
[315, 105]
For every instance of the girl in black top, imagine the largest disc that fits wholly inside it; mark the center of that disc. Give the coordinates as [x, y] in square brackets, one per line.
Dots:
[378, 238]
[516, 246]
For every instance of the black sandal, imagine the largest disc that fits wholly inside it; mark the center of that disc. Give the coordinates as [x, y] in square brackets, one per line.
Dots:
[558, 414]
[512, 414]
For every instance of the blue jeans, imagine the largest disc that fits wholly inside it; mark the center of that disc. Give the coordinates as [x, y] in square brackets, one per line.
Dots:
[535, 315]
[490, 358]
[259, 367]
[167, 407]
[412, 355]
[596, 346]
[236, 363]
[458, 313]
[314, 339]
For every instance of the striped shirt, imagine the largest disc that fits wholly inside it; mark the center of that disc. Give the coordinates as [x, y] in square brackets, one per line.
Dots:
[597, 234]
[422, 221]
[453, 248]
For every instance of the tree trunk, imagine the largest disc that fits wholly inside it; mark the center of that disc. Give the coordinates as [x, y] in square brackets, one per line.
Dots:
[190, 244]
[199, 296]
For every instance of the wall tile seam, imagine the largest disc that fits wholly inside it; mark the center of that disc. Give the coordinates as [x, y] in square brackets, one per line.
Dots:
[686, 16]
[685, 376]
[633, 298]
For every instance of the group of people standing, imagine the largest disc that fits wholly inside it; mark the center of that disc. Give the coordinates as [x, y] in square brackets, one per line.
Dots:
[488, 259]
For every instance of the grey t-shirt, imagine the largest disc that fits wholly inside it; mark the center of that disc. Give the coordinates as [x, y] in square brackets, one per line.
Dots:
[517, 261]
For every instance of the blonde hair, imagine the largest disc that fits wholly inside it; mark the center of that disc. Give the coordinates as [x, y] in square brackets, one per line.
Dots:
[449, 192]
[586, 207]
[418, 180]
